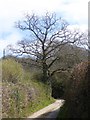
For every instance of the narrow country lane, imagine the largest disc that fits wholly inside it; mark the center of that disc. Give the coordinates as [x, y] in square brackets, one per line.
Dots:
[50, 111]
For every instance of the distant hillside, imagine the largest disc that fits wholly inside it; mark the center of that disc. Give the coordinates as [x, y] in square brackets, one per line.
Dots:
[69, 56]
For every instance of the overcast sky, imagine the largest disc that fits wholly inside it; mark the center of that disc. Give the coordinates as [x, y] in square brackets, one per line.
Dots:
[74, 11]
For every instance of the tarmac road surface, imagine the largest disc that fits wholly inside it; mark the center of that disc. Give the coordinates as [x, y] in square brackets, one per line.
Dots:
[50, 111]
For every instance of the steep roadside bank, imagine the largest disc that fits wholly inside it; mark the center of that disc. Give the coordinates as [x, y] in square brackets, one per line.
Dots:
[21, 95]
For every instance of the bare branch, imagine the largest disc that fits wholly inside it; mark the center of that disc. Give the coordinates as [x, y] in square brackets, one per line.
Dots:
[58, 70]
[50, 34]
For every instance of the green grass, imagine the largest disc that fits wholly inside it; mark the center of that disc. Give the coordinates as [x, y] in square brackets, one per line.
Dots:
[35, 106]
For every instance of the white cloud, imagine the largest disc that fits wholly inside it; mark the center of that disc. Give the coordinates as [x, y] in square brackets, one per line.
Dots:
[77, 11]
[11, 39]
[82, 28]
[13, 8]
[74, 11]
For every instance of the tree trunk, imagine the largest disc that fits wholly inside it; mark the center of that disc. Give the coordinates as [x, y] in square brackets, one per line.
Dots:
[45, 70]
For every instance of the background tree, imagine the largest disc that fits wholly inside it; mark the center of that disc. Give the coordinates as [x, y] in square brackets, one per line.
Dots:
[46, 35]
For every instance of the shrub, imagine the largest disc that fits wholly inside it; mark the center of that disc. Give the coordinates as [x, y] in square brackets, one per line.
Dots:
[37, 76]
[77, 98]
[11, 71]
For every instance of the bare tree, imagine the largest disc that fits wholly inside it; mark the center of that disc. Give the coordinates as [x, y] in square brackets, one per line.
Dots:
[47, 35]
